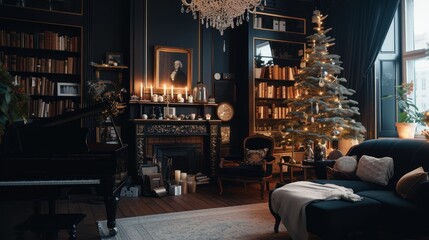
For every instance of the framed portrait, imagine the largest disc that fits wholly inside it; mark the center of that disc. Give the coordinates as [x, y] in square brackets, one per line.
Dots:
[173, 67]
[68, 89]
[114, 59]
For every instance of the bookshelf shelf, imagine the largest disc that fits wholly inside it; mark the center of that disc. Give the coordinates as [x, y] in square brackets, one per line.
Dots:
[279, 23]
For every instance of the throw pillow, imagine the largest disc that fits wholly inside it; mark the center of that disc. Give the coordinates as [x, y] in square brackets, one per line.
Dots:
[332, 173]
[347, 164]
[255, 156]
[375, 170]
[408, 184]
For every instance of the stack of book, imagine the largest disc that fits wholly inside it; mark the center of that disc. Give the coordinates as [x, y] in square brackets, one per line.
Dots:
[202, 179]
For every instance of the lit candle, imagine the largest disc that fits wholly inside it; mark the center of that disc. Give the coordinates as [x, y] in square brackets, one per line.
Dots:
[183, 176]
[172, 92]
[151, 90]
[176, 176]
[141, 90]
[186, 93]
[165, 89]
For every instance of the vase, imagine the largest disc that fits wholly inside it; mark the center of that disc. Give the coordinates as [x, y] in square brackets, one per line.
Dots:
[406, 130]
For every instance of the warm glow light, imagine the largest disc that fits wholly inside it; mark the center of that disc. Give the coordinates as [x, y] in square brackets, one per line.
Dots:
[172, 91]
[141, 90]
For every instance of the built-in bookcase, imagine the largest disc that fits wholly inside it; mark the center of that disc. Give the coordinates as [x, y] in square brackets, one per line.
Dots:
[45, 59]
[275, 64]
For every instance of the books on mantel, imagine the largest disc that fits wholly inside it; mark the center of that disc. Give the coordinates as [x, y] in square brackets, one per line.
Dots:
[202, 179]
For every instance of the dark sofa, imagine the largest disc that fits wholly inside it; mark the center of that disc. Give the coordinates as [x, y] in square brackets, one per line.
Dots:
[382, 212]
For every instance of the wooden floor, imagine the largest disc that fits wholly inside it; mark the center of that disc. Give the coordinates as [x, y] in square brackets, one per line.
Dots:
[207, 196]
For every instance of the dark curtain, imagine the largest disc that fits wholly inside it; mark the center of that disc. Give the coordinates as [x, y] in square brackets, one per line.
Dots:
[359, 28]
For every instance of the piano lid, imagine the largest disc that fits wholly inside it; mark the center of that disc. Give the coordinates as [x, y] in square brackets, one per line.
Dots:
[69, 116]
[43, 135]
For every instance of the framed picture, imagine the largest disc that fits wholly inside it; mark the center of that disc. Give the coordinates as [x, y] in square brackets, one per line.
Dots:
[173, 68]
[114, 59]
[68, 89]
[107, 134]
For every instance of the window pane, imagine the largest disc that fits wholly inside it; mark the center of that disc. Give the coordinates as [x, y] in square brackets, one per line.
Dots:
[418, 72]
[416, 24]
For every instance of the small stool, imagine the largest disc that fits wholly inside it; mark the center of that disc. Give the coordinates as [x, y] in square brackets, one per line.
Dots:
[50, 224]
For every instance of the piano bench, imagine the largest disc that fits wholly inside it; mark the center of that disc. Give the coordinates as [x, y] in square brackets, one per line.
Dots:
[51, 224]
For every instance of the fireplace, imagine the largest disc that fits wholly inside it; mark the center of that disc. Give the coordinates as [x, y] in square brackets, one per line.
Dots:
[185, 157]
[193, 145]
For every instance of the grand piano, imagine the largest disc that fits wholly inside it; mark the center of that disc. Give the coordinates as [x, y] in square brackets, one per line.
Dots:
[44, 158]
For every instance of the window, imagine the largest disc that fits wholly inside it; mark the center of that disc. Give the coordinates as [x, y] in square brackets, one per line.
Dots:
[414, 57]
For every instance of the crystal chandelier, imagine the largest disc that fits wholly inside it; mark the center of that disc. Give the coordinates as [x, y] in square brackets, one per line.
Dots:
[221, 14]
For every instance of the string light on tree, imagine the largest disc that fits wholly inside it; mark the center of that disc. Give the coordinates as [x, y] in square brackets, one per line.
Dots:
[323, 110]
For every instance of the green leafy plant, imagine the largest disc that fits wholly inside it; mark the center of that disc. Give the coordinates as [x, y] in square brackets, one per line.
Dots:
[408, 111]
[13, 101]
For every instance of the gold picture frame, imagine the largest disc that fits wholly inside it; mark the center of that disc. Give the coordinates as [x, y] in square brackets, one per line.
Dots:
[165, 62]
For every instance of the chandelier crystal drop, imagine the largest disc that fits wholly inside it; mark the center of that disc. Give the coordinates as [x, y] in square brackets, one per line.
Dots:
[221, 14]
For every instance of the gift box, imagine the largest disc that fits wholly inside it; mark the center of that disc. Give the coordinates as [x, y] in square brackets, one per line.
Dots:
[175, 190]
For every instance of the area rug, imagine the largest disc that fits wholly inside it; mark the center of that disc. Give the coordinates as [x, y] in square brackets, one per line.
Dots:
[253, 222]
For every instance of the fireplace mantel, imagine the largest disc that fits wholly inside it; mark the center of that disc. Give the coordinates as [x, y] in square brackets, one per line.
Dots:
[183, 131]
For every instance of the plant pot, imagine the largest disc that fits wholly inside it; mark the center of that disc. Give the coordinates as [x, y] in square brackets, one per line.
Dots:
[406, 130]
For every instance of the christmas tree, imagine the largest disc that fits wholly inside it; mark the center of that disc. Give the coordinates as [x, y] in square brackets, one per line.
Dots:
[321, 111]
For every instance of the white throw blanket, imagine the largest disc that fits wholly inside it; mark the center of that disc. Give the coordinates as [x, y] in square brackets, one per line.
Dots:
[289, 203]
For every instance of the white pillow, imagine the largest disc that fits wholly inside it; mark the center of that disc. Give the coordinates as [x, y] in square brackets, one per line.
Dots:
[346, 164]
[375, 170]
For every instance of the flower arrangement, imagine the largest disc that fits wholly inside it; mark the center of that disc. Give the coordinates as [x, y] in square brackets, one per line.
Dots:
[409, 112]
[13, 101]
[109, 93]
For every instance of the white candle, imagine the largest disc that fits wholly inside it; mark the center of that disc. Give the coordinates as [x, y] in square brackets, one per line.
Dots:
[172, 92]
[141, 90]
[176, 176]
[151, 90]
[186, 93]
[165, 89]
[183, 176]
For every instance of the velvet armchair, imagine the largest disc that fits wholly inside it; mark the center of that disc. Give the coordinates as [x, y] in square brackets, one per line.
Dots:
[253, 166]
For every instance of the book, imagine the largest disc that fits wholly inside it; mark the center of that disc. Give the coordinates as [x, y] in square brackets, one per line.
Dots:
[275, 24]
[282, 25]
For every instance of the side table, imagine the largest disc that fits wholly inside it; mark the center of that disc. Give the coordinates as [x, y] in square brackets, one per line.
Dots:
[292, 166]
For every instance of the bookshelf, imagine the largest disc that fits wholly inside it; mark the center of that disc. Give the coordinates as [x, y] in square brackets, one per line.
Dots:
[279, 23]
[275, 64]
[45, 59]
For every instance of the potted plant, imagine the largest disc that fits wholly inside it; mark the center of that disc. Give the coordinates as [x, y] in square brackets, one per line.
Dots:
[13, 101]
[409, 115]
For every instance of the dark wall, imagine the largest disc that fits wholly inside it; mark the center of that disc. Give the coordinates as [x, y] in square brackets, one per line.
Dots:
[145, 24]
[162, 23]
